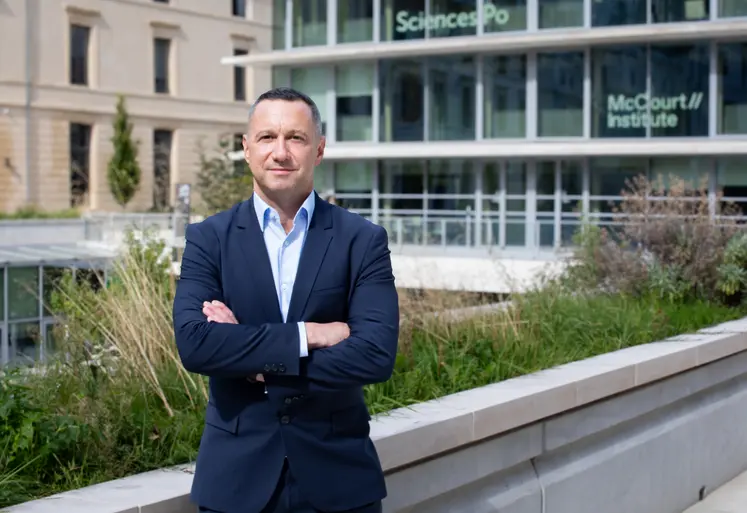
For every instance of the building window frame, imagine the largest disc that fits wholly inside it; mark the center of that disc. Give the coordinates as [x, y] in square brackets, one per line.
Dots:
[238, 8]
[87, 19]
[162, 167]
[79, 66]
[80, 144]
[239, 77]
[161, 65]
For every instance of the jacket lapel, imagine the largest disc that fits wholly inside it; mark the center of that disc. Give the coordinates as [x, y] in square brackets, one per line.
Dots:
[315, 248]
[250, 240]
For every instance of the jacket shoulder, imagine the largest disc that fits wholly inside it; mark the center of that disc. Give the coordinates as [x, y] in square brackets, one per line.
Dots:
[216, 224]
[352, 221]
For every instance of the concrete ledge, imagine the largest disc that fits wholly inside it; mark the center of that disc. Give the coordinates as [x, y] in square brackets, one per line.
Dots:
[589, 436]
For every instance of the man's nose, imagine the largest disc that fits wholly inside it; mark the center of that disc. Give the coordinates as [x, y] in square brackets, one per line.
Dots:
[280, 151]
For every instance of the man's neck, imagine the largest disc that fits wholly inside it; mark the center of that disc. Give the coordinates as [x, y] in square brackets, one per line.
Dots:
[286, 207]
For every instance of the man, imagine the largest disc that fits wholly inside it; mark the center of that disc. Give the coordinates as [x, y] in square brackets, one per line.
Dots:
[288, 304]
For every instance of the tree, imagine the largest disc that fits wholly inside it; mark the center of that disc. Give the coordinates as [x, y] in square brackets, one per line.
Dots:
[124, 170]
[221, 183]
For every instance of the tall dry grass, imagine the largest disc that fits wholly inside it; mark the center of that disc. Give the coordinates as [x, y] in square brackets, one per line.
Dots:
[124, 326]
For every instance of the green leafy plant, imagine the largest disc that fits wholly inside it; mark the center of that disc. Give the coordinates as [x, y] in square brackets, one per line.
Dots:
[732, 273]
[221, 182]
[123, 171]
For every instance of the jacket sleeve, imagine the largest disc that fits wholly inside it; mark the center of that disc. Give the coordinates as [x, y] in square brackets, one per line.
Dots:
[217, 349]
[368, 355]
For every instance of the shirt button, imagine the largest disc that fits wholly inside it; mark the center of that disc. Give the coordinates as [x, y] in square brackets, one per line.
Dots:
[285, 419]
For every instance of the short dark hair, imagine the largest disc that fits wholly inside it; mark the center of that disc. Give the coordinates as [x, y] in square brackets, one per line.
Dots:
[289, 94]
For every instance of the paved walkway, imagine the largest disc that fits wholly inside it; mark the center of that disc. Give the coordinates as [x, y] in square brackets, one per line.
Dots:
[730, 498]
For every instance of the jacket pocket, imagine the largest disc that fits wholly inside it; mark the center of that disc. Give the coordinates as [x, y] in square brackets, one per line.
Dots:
[351, 422]
[214, 418]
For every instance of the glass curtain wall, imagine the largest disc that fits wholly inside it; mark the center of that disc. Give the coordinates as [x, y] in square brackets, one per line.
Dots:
[626, 91]
[511, 204]
[26, 320]
[302, 23]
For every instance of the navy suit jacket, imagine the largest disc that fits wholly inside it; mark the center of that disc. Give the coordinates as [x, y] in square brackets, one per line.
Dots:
[312, 411]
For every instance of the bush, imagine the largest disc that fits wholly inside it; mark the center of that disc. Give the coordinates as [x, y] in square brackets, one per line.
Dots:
[221, 183]
[34, 212]
[670, 242]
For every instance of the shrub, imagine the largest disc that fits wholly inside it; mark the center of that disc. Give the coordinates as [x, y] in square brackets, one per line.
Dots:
[221, 183]
[123, 170]
[672, 242]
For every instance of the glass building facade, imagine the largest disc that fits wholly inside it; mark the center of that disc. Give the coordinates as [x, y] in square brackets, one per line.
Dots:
[27, 323]
[687, 90]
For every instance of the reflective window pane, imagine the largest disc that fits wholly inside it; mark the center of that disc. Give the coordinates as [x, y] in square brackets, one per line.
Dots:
[313, 82]
[505, 96]
[452, 98]
[354, 21]
[324, 179]
[452, 18]
[354, 182]
[402, 19]
[309, 22]
[516, 186]
[663, 11]
[610, 176]
[561, 13]
[731, 178]
[278, 24]
[732, 8]
[618, 81]
[401, 86]
[402, 178]
[354, 89]
[447, 178]
[732, 90]
[617, 12]
[560, 94]
[51, 280]
[678, 102]
[23, 292]
[505, 15]
[666, 172]
[24, 339]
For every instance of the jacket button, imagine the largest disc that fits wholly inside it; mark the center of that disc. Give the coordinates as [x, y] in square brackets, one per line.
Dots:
[285, 419]
[288, 400]
[268, 368]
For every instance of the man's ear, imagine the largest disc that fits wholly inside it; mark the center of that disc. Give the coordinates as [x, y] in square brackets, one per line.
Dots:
[245, 145]
[320, 150]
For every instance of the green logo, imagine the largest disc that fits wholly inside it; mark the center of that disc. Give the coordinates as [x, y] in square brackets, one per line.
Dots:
[409, 22]
[644, 110]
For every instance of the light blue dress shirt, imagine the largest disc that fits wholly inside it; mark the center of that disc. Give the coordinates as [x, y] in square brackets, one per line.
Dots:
[284, 251]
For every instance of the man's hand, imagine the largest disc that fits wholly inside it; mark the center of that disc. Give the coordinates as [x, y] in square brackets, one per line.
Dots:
[325, 335]
[216, 311]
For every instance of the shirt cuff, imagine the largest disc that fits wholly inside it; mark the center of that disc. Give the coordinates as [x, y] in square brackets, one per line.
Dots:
[304, 342]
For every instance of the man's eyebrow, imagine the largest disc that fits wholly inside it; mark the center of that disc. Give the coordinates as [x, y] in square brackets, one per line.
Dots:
[297, 132]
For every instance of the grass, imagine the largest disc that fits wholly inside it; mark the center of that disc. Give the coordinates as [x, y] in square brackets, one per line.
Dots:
[120, 402]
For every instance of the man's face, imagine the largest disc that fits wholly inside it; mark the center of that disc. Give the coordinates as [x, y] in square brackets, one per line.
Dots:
[282, 147]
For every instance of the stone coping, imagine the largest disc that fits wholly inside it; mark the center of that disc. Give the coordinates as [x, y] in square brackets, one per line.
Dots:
[408, 435]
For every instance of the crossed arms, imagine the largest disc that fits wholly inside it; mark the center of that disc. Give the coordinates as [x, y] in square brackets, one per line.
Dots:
[225, 349]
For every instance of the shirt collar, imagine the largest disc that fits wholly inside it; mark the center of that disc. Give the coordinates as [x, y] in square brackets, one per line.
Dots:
[264, 211]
